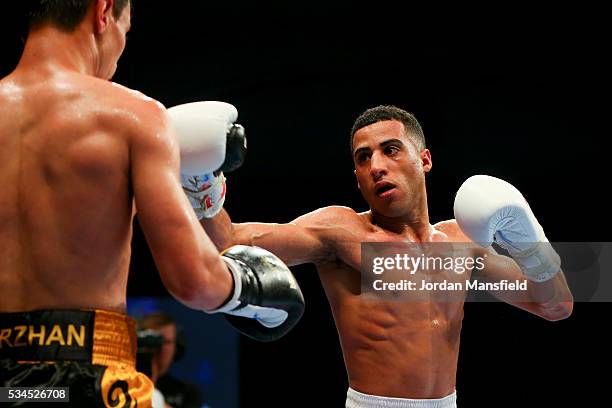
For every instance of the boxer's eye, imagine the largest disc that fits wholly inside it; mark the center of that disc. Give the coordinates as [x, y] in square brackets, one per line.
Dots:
[390, 150]
[362, 157]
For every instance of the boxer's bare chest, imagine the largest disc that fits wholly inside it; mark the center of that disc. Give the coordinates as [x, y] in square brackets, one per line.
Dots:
[348, 281]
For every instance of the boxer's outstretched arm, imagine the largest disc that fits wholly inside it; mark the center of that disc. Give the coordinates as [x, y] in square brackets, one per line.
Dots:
[309, 238]
[187, 260]
[220, 229]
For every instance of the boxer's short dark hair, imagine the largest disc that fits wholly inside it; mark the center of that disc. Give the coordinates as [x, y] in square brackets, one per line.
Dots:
[64, 14]
[390, 112]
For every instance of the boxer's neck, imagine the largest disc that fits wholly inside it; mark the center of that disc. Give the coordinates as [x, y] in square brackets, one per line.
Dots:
[56, 50]
[413, 225]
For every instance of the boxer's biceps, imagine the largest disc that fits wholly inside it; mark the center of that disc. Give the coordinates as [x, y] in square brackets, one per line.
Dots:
[164, 213]
[293, 243]
[154, 177]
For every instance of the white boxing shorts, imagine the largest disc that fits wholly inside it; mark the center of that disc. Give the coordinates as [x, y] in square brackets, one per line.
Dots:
[356, 399]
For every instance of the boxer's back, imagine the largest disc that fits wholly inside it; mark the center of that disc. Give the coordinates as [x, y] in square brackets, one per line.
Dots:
[65, 203]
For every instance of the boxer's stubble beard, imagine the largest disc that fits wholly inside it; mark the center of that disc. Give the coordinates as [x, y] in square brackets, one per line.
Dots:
[408, 209]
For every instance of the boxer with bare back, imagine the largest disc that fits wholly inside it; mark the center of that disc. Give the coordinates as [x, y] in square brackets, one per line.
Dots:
[78, 155]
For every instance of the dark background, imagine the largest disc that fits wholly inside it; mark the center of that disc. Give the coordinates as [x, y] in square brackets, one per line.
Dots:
[514, 93]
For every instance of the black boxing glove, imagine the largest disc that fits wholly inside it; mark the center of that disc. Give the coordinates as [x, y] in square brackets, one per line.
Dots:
[235, 150]
[267, 301]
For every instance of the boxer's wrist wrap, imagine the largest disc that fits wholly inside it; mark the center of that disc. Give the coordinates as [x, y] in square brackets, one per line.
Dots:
[206, 193]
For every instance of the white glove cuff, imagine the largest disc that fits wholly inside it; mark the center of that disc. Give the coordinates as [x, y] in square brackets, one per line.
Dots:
[266, 316]
[233, 303]
[540, 262]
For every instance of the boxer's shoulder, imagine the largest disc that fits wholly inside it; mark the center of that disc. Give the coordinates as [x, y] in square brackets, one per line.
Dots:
[78, 97]
[131, 111]
[142, 107]
[335, 215]
[132, 96]
[333, 221]
[451, 229]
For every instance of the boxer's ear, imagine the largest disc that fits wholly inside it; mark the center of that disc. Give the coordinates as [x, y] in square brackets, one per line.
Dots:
[426, 162]
[355, 173]
[103, 10]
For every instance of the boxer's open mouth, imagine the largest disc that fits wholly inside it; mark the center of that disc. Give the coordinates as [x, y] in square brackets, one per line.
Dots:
[384, 188]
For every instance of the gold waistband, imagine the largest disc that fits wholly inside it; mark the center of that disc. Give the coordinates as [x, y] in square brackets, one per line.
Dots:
[96, 336]
[114, 339]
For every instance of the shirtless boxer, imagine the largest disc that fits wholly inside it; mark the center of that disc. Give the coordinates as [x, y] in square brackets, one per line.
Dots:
[78, 154]
[404, 354]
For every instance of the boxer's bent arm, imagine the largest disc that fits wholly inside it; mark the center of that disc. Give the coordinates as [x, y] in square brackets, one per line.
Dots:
[187, 260]
[552, 300]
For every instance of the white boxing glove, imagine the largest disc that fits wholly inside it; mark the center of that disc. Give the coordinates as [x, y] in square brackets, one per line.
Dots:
[202, 129]
[489, 209]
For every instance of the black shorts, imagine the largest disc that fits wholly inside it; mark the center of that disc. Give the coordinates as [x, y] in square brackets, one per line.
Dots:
[90, 352]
